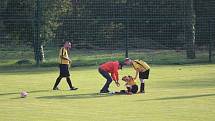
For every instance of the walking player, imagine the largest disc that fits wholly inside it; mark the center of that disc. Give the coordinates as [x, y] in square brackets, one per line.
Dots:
[64, 63]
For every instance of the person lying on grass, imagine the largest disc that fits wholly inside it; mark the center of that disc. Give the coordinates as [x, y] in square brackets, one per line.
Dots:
[130, 84]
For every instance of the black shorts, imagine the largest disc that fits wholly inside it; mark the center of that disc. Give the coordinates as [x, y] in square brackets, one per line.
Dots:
[64, 70]
[134, 89]
[144, 75]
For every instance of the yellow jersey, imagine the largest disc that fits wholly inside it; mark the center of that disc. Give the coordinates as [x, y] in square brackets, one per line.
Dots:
[63, 53]
[140, 65]
[131, 82]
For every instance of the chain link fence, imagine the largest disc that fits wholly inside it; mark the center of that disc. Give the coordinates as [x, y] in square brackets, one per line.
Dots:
[158, 31]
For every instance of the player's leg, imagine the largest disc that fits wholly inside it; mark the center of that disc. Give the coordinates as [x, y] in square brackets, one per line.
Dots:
[121, 92]
[143, 76]
[142, 86]
[134, 89]
[107, 84]
[57, 82]
[59, 78]
[107, 76]
[64, 72]
[70, 84]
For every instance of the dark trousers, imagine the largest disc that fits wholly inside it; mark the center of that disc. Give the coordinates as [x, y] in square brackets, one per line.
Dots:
[107, 76]
[64, 72]
[59, 79]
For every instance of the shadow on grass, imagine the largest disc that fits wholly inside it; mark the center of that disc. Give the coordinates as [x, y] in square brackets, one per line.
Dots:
[76, 96]
[13, 93]
[180, 97]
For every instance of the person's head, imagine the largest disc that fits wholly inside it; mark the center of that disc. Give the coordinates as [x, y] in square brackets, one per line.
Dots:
[125, 78]
[67, 45]
[128, 61]
[130, 78]
[120, 65]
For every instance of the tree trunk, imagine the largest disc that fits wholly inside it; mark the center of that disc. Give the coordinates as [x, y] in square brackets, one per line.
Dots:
[190, 33]
[39, 54]
[38, 47]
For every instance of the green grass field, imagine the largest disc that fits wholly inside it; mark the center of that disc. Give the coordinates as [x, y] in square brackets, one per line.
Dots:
[173, 93]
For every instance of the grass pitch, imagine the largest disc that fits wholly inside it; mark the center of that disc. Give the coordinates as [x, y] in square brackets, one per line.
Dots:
[173, 93]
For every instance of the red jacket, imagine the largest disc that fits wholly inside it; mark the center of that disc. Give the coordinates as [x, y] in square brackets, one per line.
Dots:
[111, 67]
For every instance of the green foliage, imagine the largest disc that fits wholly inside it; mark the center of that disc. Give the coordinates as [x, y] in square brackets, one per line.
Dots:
[205, 11]
[19, 19]
[103, 21]
[52, 11]
[105, 24]
[17, 24]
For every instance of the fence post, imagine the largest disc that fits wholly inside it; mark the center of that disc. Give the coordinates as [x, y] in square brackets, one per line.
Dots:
[126, 40]
[210, 40]
[126, 37]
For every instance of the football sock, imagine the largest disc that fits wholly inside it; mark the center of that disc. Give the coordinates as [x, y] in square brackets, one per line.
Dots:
[57, 82]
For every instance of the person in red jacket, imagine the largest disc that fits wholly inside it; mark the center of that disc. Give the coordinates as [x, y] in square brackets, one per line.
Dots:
[111, 67]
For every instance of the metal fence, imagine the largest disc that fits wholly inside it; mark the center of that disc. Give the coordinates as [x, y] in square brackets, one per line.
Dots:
[158, 31]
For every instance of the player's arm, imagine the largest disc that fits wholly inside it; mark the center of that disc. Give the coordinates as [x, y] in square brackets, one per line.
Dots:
[65, 58]
[135, 77]
[117, 79]
[114, 76]
[64, 55]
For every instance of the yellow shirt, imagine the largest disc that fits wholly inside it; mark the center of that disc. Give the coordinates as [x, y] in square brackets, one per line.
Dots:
[140, 65]
[131, 82]
[63, 53]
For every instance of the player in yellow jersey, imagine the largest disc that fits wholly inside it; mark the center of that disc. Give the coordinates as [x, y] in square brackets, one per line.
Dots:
[142, 69]
[130, 85]
[64, 63]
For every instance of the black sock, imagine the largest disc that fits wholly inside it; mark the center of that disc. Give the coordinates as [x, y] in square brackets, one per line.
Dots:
[57, 82]
[142, 87]
[69, 82]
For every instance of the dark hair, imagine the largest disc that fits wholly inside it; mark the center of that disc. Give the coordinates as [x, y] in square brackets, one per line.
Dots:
[121, 64]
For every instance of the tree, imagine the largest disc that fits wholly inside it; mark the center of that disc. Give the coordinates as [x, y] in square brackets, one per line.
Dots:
[48, 13]
[33, 22]
[205, 12]
[190, 29]
[17, 21]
